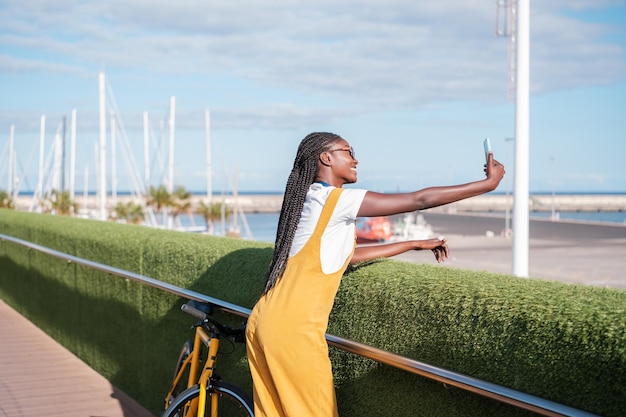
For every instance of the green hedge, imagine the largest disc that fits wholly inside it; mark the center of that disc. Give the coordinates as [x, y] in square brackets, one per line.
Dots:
[562, 342]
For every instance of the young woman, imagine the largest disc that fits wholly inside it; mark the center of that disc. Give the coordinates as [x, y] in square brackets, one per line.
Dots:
[315, 242]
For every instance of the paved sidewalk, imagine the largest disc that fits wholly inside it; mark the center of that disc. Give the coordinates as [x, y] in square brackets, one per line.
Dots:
[40, 378]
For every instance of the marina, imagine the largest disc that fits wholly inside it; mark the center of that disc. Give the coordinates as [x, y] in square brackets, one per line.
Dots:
[271, 202]
[255, 215]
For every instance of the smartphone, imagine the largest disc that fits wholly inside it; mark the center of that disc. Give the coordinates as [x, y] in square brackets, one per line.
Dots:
[487, 145]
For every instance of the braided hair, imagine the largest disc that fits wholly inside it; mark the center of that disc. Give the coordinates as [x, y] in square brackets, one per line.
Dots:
[303, 174]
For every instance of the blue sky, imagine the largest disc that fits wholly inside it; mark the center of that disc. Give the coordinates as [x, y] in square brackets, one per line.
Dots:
[413, 86]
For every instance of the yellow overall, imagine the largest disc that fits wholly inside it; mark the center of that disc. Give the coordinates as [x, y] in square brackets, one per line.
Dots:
[287, 349]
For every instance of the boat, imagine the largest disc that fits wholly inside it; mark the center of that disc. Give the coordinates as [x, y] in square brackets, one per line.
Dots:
[411, 226]
[373, 229]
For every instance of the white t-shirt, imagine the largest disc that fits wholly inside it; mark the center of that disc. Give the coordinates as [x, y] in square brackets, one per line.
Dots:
[338, 237]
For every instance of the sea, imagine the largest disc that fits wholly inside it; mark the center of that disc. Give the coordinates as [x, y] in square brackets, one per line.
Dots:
[262, 226]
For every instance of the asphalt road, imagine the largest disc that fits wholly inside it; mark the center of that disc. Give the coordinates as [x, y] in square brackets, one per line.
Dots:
[573, 252]
[474, 225]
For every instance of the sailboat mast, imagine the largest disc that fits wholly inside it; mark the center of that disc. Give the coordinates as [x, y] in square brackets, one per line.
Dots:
[146, 150]
[113, 162]
[171, 152]
[62, 167]
[56, 167]
[11, 159]
[72, 153]
[102, 180]
[236, 200]
[209, 181]
[86, 188]
[42, 135]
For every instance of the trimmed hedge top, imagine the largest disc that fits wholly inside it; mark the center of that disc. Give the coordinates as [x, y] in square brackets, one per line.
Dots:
[562, 342]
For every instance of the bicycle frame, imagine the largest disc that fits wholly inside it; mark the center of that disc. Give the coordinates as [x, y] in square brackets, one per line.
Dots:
[212, 343]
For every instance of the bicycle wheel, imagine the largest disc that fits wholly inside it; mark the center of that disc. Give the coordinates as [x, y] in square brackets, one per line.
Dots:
[182, 383]
[232, 402]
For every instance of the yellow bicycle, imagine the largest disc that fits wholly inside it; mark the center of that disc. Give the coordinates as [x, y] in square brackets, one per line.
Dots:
[203, 393]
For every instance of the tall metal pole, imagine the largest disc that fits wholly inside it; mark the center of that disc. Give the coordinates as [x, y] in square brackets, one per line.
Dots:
[507, 217]
[102, 179]
[520, 207]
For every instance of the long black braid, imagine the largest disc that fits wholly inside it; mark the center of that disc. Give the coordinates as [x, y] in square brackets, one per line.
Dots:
[303, 173]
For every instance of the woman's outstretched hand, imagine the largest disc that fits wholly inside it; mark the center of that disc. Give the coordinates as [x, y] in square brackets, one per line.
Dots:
[387, 250]
[494, 170]
[438, 245]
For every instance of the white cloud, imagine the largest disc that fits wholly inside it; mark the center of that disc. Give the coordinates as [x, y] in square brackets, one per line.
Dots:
[391, 53]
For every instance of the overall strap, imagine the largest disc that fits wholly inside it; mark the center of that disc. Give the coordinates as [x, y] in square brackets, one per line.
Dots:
[327, 211]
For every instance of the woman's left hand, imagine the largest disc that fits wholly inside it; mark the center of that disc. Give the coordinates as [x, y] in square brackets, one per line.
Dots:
[439, 246]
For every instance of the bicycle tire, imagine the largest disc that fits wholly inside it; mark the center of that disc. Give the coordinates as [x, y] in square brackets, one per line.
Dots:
[233, 402]
[182, 384]
[184, 354]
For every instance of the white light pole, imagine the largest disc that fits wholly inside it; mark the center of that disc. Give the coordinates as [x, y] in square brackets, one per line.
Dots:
[520, 208]
[507, 214]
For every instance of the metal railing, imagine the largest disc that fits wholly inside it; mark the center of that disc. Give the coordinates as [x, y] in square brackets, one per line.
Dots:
[493, 391]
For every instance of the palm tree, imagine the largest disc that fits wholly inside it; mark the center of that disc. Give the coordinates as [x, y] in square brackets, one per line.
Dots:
[160, 199]
[181, 203]
[130, 212]
[59, 202]
[5, 200]
[210, 213]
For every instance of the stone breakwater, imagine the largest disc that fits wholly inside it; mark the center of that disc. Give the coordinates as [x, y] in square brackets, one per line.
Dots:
[270, 203]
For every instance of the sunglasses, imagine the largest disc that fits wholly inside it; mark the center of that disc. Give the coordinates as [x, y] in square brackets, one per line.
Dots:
[348, 149]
